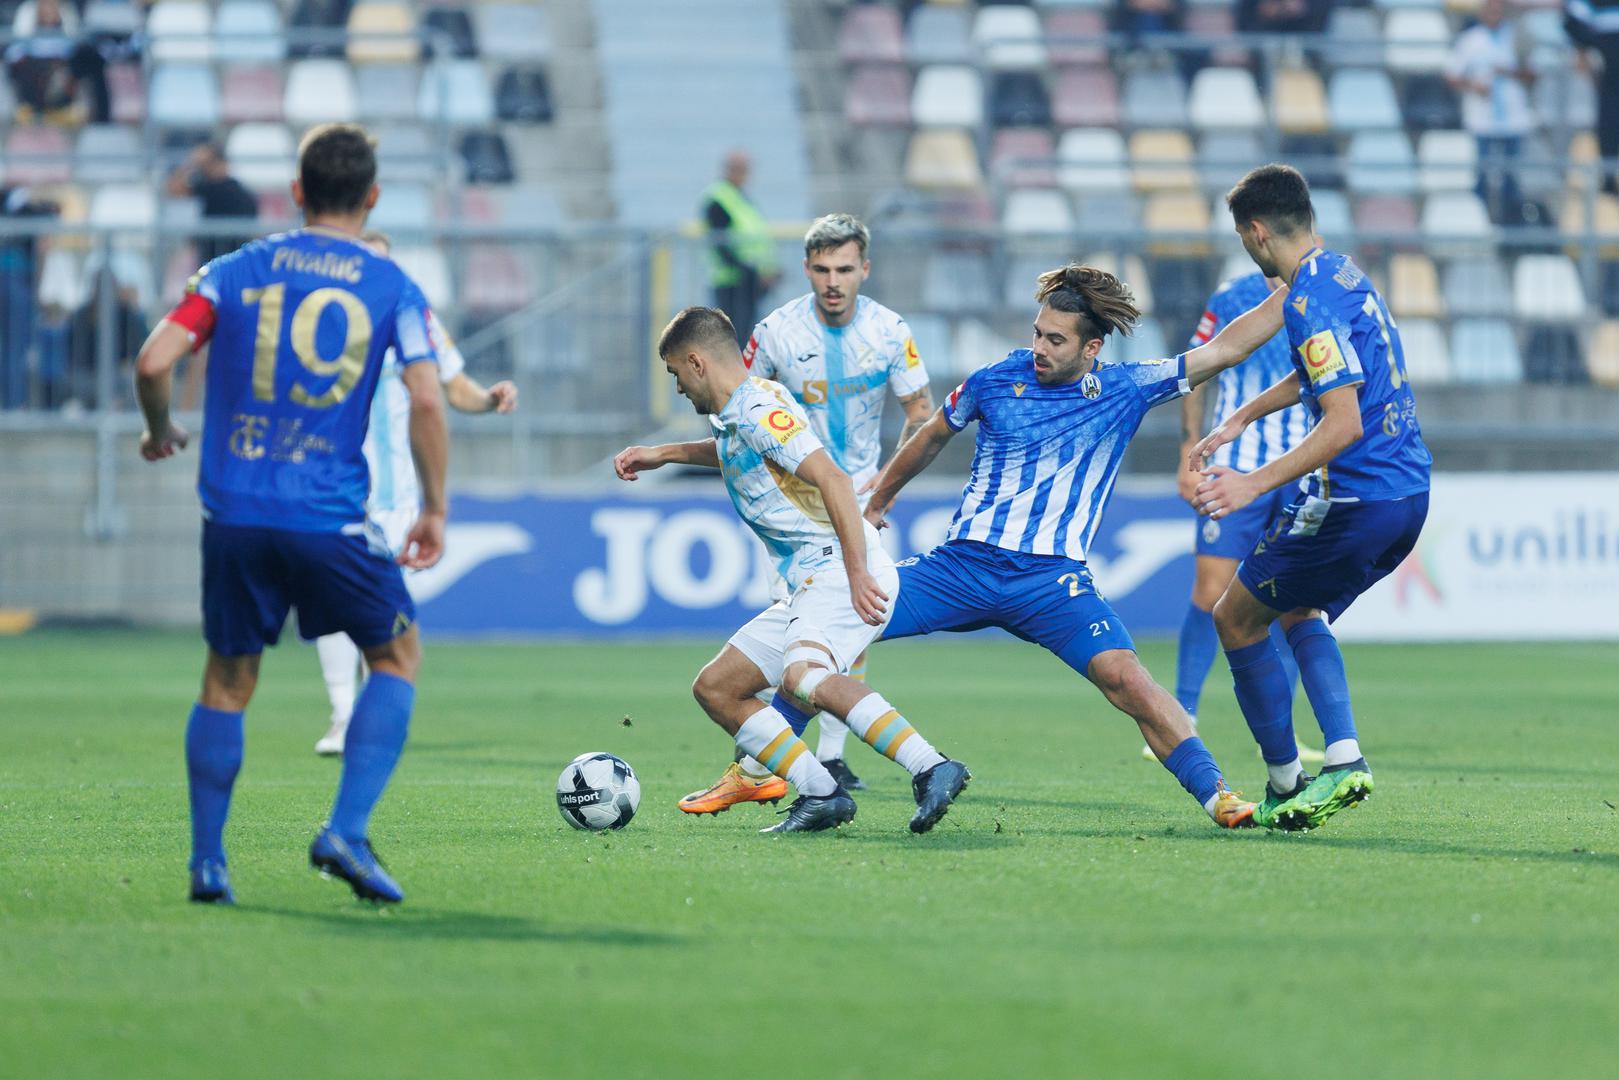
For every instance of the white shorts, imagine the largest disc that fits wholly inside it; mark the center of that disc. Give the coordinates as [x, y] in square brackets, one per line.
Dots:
[820, 611]
[395, 526]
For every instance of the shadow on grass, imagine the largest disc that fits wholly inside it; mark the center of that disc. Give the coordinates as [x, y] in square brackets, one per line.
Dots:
[1399, 845]
[430, 924]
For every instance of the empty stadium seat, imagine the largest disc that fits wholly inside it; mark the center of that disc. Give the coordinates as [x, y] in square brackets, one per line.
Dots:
[1477, 285]
[108, 153]
[447, 31]
[514, 31]
[387, 91]
[127, 88]
[1076, 36]
[324, 21]
[1362, 100]
[1485, 351]
[1154, 98]
[1416, 41]
[1086, 97]
[1224, 156]
[1413, 290]
[184, 95]
[123, 206]
[430, 270]
[1162, 161]
[485, 158]
[1553, 354]
[1022, 157]
[382, 32]
[1018, 281]
[958, 281]
[1603, 223]
[180, 31]
[1093, 159]
[1356, 35]
[1430, 104]
[1226, 98]
[1394, 217]
[37, 155]
[1317, 157]
[1298, 101]
[403, 207]
[1180, 214]
[523, 95]
[1146, 343]
[407, 153]
[248, 32]
[1564, 96]
[870, 34]
[1218, 21]
[498, 279]
[319, 91]
[1009, 38]
[1455, 214]
[878, 97]
[250, 93]
[457, 93]
[1381, 162]
[1427, 353]
[1447, 161]
[1130, 270]
[1018, 99]
[1547, 288]
[118, 20]
[942, 159]
[1037, 211]
[1333, 219]
[1602, 354]
[1107, 213]
[938, 35]
[262, 155]
[948, 96]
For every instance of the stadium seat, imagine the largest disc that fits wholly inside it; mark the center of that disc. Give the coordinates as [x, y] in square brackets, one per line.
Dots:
[1226, 98]
[1130, 270]
[1218, 22]
[108, 154]
[1427, 354]
[1455, 214]
[1416, 41]
[1430, 104]
[1009, 38]
[1224, 156]
[382, 32]
[1552, 354]
[1182, 217]
[948, 96]
[118, 20]
[1018, 99]
[248, 32]
[1106, 213]
[1381, 162]
[428, 267]
[250, 93]
[407, 153]
[123, 206]
[1608, 288]
[180, 31]
[261, 155]
[1093, 159]
[1477, 285]
[878, 96]
[184, 96]
[447, 31]
[958, 281]
[486, 158]
[319, 91]
[1154, 99]
[1317, 157]
[1391, 218]
[1162, 161]
[938, 35]
[1547, 288]
[1448, 161]
[870, 34]
[1333, 219]
[1018, 281]
[529, 205]
[1485, 351]
[1602, 355]
[1147, 343]
[497, 279]
[1414, 287]
[1356, 34]
[1362, 100]
[456, 92]
[127, 87]
[1181, 288]
[1086, 97]
[403, 208]
[1076, 36]
[323, 23]
[523, 95]
[1298, 101]
[1602, 226]
[387, 91]
[516, 31]
[37, 155]
[1023, 158]
[1565, 97]
[1396, 5]
[1037, 212]
[943, 159]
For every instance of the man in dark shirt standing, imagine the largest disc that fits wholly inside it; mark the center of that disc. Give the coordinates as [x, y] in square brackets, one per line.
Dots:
[742, 255]
[206, 176]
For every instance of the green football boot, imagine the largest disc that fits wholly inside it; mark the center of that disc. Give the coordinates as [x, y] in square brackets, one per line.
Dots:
[1281, 810]
[1335, 789]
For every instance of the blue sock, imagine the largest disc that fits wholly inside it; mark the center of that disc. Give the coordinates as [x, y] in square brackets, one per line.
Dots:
[1194, 767]
[1290, 666]
[797, 718]
[214, 742]
[1266, 699]
[1194, 656]
[1321, 666]
[375, 740]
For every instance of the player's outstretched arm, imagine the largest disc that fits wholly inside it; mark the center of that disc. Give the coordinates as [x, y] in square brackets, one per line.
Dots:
[1225, 490]
[154, 383]
[1279, 395]
[914, 455]
[837, 492]
[468, 395]
[430, 447]
[631, 461]
[1237, 341]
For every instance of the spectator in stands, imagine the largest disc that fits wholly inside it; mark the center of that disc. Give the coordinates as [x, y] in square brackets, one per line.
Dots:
[49, 64]
[206, 176]
[1489, 69]
[17, 301]
[1594, 25]
[1142, 18]
[128, 331]
[1282, 16]
[742, 256]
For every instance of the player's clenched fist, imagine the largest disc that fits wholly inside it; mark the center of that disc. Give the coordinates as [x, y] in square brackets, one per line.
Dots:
[156, 447]
[636, 459]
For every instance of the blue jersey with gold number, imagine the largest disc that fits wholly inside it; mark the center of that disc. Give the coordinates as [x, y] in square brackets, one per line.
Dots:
[300, 323]
[1341, 334]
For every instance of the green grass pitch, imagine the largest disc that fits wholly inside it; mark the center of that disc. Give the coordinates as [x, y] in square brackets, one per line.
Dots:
[1075, 915]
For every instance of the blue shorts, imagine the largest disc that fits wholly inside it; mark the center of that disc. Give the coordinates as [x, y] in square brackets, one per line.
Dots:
[1234, 537]
[339, 582]
[1046, 599]
[1323, 555]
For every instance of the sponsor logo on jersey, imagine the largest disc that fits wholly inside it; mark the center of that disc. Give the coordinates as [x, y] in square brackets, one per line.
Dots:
[783, 425]
[1090, 386]
[1322, 357]
[911, 357]
[1018, 388]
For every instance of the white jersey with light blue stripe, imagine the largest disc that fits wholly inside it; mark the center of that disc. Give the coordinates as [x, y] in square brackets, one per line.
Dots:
[387, 437]
[1276, 434]
[1048, 456]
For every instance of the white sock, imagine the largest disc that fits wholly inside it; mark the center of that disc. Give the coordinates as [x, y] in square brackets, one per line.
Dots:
[1284, 778]
[881, 727]
[768, 738]
[1342, 752]
[339, 666]
[833, 733]
[751, 767]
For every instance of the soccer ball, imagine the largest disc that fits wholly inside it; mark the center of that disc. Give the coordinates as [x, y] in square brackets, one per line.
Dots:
[598, 791]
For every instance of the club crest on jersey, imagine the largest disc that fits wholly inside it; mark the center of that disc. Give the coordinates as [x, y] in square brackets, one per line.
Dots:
[782, 425]
[1090, 386]
[911, 357]
[1018, 388]
[1322, 356]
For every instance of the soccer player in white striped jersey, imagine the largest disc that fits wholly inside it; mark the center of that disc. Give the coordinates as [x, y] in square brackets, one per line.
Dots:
[395, 497]
[788, 489]
[841, 355]
[1053, 425]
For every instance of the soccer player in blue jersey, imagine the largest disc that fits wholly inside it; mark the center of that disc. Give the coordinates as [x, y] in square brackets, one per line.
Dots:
[1053, 424]
[300, 323]
[1220, 545]
[1357, 512]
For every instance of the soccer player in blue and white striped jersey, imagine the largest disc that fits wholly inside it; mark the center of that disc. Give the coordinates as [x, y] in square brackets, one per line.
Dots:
[1053, 425]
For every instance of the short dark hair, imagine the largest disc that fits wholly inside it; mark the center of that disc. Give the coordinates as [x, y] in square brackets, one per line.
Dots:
[337, 165]
[1276, 194]
[699, 327]
[1102, 302]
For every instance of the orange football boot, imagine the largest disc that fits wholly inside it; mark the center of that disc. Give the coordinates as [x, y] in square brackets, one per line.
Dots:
[734, 786]
[1231, 810]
